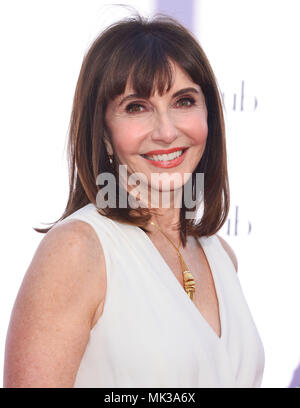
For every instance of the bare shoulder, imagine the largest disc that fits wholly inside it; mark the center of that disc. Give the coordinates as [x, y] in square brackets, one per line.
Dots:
[76, 232]
[230, 252]
[54, 308]
[75, 248]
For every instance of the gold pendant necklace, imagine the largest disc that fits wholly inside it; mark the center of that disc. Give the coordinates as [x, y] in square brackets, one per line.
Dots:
[189, 281]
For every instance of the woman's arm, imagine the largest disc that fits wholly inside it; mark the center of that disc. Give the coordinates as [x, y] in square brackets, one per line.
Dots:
[54, 309]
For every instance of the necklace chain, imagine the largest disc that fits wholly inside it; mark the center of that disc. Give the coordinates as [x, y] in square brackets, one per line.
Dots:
[189, 281]
[177, 249]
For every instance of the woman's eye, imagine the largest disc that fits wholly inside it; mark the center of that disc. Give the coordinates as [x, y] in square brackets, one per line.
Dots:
[186, 102]
[137, 107]
[134, 107]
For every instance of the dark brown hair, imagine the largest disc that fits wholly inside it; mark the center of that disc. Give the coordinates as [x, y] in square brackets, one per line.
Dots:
[140, 49]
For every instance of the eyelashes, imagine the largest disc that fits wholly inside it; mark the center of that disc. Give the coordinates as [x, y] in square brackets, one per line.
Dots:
[131, 107]
[134, 107]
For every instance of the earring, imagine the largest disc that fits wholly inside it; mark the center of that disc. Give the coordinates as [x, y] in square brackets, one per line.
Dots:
[110, 159]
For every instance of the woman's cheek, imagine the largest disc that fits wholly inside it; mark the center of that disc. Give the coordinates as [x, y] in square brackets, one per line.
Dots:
[200, 126]
[129, 138]
[127, 144]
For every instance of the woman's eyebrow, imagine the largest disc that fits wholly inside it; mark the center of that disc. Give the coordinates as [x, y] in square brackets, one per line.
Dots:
[178, 93]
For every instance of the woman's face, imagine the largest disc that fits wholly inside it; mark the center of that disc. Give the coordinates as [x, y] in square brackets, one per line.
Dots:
[153, 126]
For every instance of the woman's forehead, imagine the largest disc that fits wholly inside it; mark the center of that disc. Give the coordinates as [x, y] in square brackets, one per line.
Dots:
[179, 79]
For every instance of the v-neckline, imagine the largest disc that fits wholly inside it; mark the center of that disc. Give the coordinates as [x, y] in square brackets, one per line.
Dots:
[212, 267]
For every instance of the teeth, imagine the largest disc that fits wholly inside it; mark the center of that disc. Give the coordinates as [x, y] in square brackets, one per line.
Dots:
[165, 157]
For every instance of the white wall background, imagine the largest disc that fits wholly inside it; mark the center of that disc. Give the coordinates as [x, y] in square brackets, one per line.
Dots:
[42, 46]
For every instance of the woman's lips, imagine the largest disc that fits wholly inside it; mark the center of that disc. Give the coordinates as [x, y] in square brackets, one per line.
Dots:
[164, 151]
[169, 163]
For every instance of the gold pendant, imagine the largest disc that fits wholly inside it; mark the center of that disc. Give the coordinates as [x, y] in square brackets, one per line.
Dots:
[189, 283]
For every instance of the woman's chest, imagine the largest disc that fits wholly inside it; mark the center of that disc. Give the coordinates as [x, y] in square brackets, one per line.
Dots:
[205, 297]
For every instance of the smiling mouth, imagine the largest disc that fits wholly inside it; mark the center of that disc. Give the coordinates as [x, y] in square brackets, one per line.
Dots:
[164, 157]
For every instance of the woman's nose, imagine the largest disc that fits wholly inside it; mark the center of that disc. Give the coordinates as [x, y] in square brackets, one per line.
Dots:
[164, 128]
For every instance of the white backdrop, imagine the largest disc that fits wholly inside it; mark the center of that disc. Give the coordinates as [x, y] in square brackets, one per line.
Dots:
[253, 48]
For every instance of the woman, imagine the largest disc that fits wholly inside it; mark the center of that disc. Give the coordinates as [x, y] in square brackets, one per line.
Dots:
[138, 295]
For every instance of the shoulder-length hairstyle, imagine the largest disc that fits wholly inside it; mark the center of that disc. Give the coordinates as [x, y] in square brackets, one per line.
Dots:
[140, 49]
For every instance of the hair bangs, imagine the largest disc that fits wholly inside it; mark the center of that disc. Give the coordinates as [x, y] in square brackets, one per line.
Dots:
[145, 69]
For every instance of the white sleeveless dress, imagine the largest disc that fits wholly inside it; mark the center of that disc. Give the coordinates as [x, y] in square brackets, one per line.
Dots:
[151, 334]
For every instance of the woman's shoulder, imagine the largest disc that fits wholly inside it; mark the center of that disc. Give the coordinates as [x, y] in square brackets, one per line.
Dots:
[69, 262]
[229, 251]
[73, 248]
[77, 231]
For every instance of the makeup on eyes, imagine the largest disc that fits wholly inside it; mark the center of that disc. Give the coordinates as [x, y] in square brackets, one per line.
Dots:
[178, 93]
[190, 99]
